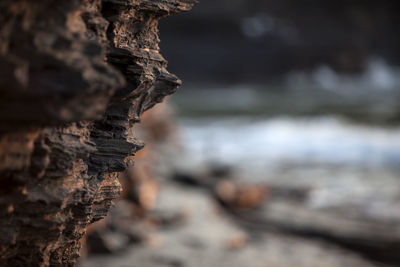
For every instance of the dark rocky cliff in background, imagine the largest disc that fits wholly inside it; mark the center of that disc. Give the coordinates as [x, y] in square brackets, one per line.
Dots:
[287, 57]
[75, 78]
[243, 41]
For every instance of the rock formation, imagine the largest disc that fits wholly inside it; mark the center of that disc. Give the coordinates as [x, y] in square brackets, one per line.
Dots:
[75, 77]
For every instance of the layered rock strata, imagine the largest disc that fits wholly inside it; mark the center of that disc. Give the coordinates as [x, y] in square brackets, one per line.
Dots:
[75, 77]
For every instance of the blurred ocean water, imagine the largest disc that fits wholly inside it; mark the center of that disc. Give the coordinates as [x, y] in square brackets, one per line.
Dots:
[337, 134]
[343, 163]
[322, 140]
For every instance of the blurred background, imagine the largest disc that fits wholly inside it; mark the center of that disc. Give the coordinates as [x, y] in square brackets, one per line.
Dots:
[282, 148]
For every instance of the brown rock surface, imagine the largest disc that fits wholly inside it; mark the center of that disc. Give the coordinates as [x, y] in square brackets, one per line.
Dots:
[75, 77]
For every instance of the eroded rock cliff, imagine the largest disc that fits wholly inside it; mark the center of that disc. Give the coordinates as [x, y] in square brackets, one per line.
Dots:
[75, 77]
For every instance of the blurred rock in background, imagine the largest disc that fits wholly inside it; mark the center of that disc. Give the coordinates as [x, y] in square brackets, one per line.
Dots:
[284, 149]
[236, 41]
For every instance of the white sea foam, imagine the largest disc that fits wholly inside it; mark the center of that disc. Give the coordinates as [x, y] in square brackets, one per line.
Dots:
[313, 140]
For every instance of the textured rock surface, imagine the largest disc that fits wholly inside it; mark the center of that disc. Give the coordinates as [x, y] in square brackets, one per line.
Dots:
[75, 77]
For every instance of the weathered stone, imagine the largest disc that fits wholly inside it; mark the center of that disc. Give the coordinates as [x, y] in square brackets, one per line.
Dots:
[75, 77]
